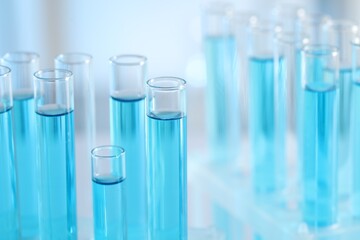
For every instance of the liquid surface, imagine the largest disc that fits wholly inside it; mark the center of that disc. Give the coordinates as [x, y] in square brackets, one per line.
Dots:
[128, 131]
[167, 176]
[56, 157]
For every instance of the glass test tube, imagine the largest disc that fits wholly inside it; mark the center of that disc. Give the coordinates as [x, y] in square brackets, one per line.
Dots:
[223, 106]
[8, 203]
[127, 123]
[340, 33]
[23, 65]
[108, 176]
[267, 125]
[355, 129]
[167, 154]
[319, 139]
[54, 105]
[241, 22]
[80, 64]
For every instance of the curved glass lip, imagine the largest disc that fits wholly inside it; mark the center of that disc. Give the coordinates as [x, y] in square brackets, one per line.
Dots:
[137, 60]
[320, 50]
[286, 37]
[83, 58]
[20, 57]
[4, 71]
[66, 75]
[265, 26]
[118, 154]
[356, 42]
[180, 83]
[244, 17]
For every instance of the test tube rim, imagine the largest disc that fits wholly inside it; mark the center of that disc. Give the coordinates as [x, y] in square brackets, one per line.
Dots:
[244, 17]
[103, 147]
[68, 75]
[181, 83]
[87, 58]
[4, 71]
[218, 8]
[278, 36]
[30, 57]
[115, 60]
[342, 25]
[319, 50]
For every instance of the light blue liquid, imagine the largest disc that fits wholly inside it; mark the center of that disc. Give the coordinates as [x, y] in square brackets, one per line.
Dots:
[319, 152]
[56, 159]
[128, 131]
[267, 126]
[8, 201]
[345, 82]
[25, 142]
[355, 140]
[223, 103]
[167, 199]
[109, 208]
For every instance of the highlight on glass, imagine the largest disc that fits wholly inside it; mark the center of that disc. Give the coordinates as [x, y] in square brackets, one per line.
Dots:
[9, 221]
[319, 144]
[127, 128]
[23, 65]
[109, 202]
[167, 158]
[54, 105]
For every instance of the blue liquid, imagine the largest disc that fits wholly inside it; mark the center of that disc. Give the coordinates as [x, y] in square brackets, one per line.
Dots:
[109, 208]
[223, 103]
[345, 83]
[25, 142]
[167, 199]
[267, 126]
[319, 152]
[8, 204]
[355, 140]
[128, 131]
[56, 159]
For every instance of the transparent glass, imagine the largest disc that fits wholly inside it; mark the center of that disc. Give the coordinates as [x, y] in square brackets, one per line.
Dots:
[222, 90]
[167, 158]
[310, 29]
[340, 33]
[23, 66]
[109, 202]
[287, 15]
[127, 124]
[319, 140]
[355, 131]
[267, 116]
[81, 66]
[54, 104]
[241, 22]
[9, 221]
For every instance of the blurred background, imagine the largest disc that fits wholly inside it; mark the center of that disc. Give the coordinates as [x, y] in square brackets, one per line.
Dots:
[169, 33]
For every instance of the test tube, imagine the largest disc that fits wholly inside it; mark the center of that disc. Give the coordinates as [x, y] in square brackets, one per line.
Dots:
[80, 64]
[355, 130]
[319, 138]
[222, 91]
[23, 65]
[108, 179]
[8, 203]
[54, 105]
[267, 110]
[241, 22]
[166, 158]
[340, 33]
[127, 124]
